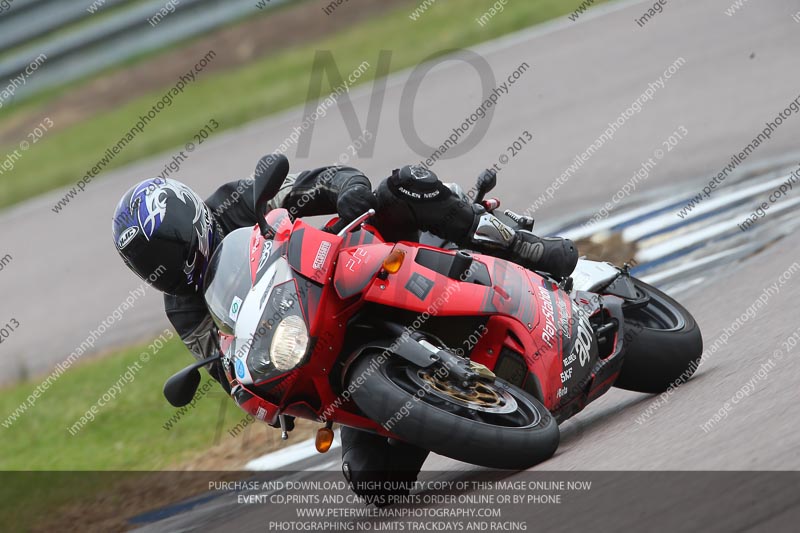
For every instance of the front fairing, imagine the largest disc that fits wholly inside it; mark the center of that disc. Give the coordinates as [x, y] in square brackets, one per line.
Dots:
[228, 279]
[251, 311]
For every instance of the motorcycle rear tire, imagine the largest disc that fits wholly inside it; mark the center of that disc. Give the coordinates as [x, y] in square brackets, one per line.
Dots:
[662, 344]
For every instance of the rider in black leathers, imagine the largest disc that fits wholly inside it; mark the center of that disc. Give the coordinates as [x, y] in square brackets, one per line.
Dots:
[149, 231]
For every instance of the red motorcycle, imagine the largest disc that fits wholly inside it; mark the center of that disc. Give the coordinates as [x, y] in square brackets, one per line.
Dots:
[467, 355]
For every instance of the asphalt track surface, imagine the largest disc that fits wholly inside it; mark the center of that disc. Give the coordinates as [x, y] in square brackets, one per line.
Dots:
[740, 72]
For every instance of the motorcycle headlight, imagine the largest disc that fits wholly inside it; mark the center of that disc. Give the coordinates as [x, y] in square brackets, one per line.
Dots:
[259, 363]
[289, 344]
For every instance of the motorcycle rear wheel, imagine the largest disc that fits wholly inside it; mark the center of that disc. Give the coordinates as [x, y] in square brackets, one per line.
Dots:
[662, 344]
[491, 424]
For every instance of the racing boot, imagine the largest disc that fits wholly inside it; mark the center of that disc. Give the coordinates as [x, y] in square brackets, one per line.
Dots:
[549, 254]
[553, 255]
[380, 470]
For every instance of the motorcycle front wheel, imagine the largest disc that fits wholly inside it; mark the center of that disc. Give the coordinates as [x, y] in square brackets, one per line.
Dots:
[489, 423]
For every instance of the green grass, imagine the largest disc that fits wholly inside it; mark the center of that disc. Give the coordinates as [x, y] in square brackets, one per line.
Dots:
[44, 97]
[127, 433]
[261, 88]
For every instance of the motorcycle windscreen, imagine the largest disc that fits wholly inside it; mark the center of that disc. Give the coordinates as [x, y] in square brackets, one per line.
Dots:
[228, 279]
[271, 335]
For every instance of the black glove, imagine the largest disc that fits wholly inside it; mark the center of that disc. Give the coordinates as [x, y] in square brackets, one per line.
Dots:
[354, 200]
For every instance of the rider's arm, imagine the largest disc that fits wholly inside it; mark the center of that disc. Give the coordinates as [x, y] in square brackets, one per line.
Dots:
[232, 205]
[413, 197]
[328, 190]
[322, 191]
[408, 203]
[189, 316]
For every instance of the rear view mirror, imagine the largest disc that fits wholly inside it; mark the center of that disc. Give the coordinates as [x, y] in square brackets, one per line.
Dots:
[486, 182]
[270, 173]
[180, 389]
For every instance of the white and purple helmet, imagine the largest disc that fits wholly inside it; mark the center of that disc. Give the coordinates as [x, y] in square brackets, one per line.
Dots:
[165, 233]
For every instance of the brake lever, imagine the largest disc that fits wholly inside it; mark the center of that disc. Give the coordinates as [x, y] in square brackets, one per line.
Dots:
[355, 223]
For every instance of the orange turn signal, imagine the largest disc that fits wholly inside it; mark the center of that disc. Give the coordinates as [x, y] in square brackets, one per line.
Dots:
[394, 261]
[324, 439]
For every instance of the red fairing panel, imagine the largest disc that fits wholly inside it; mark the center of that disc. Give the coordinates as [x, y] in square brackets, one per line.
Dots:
[422, 290]
[548, 338]
[257, 407]
[256, 247]
[311, 252]
[357, 266]
[503, 333]
[533, 316]
[513, 291]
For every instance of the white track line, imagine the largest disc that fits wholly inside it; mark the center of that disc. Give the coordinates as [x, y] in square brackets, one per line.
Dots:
[293, 454]
[646, 227]
[665, 275]
[695, 237]
[582, 231]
